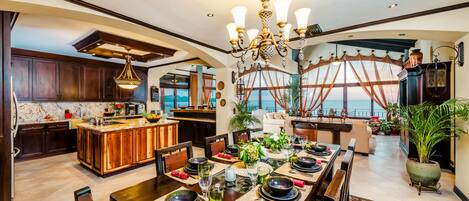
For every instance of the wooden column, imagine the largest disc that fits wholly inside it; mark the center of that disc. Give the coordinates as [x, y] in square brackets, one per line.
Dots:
[5, 107]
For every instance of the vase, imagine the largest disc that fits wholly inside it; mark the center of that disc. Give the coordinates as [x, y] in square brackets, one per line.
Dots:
[424, 174]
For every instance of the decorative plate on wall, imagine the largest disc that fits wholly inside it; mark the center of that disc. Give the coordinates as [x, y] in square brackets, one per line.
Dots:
[220, 85]
[222, 102]
[218, 95]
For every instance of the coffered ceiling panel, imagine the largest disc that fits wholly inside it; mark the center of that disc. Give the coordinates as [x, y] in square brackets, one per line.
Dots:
[189, 17]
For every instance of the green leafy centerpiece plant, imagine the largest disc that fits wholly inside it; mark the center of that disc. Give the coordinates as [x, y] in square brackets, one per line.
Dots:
[242, 118]
[251, 152]
[276, 142]
[429, 125]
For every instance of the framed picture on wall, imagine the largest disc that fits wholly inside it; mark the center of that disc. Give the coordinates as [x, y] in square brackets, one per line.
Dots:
[154, 94]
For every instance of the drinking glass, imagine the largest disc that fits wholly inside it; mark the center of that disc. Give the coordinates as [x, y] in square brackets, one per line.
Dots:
[302, 140]
[205, 179]
[263, 173]
[252, 172]
[216, 193]
[288, 151]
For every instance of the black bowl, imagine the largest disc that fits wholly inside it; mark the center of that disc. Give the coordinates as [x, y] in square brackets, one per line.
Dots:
[182, 195]
[195, 162]
[306, 162]
[319, 148]
[279, 186]
[233, 148]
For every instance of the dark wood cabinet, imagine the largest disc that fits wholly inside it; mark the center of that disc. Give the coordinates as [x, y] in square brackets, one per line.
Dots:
[22, 82]
[110, 86]
[41, 140]
[195, 131]
[69, 81]
[140, 94]
[45, 80]
[91, 83]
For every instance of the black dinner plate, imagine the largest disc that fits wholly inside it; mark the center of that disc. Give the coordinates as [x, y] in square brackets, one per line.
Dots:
[182, 195]
[313, 169]
[323, 153]
[293, 195]
[187, 169]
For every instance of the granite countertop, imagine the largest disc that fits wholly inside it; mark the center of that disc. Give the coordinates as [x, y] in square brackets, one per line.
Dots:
[194, 119]
[125, 124]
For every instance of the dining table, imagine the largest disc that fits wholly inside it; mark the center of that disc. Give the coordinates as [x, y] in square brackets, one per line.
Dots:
[157, 187]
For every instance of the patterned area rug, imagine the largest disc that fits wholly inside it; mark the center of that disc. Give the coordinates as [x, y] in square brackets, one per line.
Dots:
[355, 198]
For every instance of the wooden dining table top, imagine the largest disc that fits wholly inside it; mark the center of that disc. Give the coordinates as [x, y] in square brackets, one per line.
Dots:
[161, 185]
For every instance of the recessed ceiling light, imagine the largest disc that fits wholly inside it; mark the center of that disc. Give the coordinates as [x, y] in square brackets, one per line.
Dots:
[393, 5]
[210, 15]
[350, 36]
[401, 34]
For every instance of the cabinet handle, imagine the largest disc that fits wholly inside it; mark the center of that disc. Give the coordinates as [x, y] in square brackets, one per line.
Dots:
[32, 128]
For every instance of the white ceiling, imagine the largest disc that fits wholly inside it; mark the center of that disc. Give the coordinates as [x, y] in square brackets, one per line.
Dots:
[189, 17]
[57, 35]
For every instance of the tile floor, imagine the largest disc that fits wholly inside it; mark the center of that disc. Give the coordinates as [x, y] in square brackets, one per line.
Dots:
[379, 177]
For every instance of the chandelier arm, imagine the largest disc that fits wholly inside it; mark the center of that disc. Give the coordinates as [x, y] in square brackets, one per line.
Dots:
[280, 50]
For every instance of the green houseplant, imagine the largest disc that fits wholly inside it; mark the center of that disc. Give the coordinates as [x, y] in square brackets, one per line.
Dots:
[251, 152]
[242, 118]
[276, 142]
[428, 125]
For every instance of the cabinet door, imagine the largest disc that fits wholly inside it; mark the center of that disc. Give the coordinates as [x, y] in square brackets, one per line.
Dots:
[120, 149]
[140, 94]
[110, 87]
[91, 83]
[45, 80]
[125, 94]
[69, 81]
[22, 82]
[84, 146]
[144, 144]
[31, 141]
[56, 140]
[72, 140]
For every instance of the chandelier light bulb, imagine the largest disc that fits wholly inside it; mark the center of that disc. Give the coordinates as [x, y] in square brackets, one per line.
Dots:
[286, 31]
[252, 34]
[281, 10]
[231, 27]
[239, 16]
[302, 16]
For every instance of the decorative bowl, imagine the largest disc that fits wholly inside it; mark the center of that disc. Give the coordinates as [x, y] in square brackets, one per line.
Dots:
[195, 162]
[233, 148]
[319, 147]
[306, 162]
[153, 120]
[182, 195]
[279, 186]
[108, 114]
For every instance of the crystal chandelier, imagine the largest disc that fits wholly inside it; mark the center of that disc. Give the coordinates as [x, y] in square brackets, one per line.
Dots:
[128, 79]
[266, 43]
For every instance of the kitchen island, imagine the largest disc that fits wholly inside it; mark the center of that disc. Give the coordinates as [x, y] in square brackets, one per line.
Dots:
[123, 144]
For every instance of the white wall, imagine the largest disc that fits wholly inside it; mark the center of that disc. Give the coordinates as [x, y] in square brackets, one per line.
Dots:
[462, 144]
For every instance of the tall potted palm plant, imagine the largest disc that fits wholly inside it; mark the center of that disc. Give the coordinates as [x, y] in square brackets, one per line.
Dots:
[429, 125]
[242, 118]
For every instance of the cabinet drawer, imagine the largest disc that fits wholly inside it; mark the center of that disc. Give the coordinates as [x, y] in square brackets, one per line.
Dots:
[36, 127]
[58, 125]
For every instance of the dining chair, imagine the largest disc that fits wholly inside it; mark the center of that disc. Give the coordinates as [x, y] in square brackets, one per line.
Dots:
[308, 130]
[241, 136]
[352, 144]
[83, 194]
[215, 144]
[173, 157]
[335, 188]
[346, 165]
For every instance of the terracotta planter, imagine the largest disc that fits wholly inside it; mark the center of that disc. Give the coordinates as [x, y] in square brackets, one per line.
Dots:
[425, 174]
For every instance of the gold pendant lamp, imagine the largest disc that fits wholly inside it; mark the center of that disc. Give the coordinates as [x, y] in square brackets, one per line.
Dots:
[128, 79]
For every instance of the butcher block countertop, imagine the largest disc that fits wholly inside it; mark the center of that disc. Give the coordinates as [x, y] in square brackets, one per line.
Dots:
[125, 124]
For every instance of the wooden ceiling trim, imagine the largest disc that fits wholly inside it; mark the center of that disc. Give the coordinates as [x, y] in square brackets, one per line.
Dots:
[174, 62]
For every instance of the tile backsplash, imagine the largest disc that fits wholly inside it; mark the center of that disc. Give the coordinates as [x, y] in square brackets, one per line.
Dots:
[35, 111]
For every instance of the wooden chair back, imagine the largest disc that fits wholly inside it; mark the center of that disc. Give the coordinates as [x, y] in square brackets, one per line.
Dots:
[83, 194]
[173, 157]
[352, 144]
[241, 136]
[215, 144]
[308, 130]
[346, 165]
[333, 191]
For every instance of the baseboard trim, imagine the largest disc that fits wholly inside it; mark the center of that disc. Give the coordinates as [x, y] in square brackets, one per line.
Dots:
[460, 194]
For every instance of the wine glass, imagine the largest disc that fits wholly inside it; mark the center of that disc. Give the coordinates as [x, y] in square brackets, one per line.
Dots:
[252, 173]
[302, 140]
[205, 178]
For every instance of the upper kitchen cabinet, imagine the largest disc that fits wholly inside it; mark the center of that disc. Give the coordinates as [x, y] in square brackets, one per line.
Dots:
[22, 85]
[91, 85]
[140, 93]
[69, 81]
[110, 86]
[45, 80]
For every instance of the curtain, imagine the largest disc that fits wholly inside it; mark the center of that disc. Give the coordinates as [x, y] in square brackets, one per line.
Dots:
[317, 83]
[277, 83]
[207, 86]
[371, 73]
[249, 80]
[193, 88]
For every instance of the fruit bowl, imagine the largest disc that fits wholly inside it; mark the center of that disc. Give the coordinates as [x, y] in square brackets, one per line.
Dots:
[153, 118]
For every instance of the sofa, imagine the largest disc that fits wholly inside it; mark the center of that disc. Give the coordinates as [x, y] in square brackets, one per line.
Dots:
[273, 122]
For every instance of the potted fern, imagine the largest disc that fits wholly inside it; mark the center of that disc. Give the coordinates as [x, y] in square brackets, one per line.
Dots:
[428, 125]
[242, 118]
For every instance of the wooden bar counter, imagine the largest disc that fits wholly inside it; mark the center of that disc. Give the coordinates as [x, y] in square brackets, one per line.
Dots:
[123, 145]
